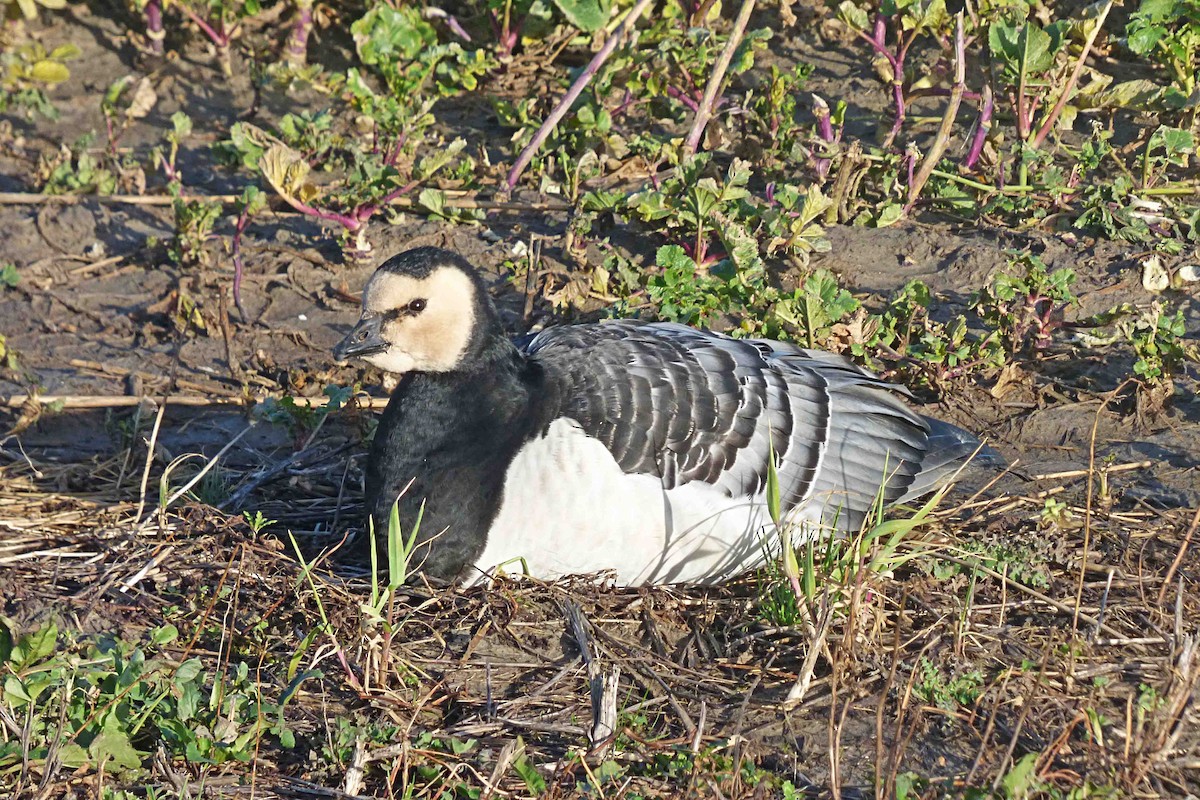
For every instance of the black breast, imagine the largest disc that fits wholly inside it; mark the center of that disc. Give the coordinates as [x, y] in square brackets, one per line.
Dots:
[443, 447]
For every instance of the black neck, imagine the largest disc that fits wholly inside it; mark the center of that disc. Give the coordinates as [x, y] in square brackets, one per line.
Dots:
[453, 435]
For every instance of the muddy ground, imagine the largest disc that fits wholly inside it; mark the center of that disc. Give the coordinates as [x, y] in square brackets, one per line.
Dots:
[90, 319]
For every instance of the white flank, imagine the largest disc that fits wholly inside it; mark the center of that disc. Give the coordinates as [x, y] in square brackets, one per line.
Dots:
[569, 509]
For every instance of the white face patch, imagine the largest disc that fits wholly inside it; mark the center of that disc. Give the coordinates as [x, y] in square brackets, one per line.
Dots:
[433, 339]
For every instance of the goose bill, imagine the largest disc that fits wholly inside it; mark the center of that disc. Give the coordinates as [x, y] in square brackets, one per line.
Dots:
[364, 340]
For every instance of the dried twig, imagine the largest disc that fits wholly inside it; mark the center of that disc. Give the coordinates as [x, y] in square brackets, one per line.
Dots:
[162, 408]
[125, 401]
[1183, 548]
[940, 142]
[573, 93]
[1052, 117]
[705, 111]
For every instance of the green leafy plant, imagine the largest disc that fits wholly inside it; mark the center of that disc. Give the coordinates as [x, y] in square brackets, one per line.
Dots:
[1165, 148]
[402, 47]
[1169, 32]
[906, 20]
[257, 521]
[9, 277]
[1027, 55]
[1026, 308]
[1158, 342]
[304, 421]
[221, 21]
[194, 218]
[1055, 513]
[76, 170]
[689, 202]
[815, 307]
[947, 693]
[379, 164]
[928, 351]
[106, 703]
[27, 70]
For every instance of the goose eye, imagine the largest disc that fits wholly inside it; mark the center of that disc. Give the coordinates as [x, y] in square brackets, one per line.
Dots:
[417, 306]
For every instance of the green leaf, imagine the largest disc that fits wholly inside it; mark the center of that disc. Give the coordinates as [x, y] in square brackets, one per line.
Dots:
[853, 16]
[14, 688]
[1156, 10]
[1021, 780]
[181, 124]
[7, 627]
[73, 756]
[37, 646]
[65, 52]
[164, 634]
[1139, 94]
[49, 72]
[773, 487]
[890, 214]
[672, 256]
[534, 781]
[1175, 141]
[1142, 40]
[386, 34]
[396, 564]
[587, 15]
[188, 671]
[433, 200]
[114, 745]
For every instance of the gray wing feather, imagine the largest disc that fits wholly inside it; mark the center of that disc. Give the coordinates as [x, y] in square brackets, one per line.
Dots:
[686, 405]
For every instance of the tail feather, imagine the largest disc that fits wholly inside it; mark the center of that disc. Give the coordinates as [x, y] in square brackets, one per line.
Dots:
[949, 448]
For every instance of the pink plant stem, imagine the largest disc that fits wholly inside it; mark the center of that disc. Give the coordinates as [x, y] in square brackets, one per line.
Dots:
[154, 26]
[296, 51]
[456, 28]
[364, 213]
[573, 93]
[824, 131]
[878, 40]
[347, 221]
[682, 97]
[717, 79]
[219, 39]
[981, 129]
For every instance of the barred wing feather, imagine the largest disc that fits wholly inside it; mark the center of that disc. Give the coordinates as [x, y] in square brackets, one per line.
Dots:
[685, 405]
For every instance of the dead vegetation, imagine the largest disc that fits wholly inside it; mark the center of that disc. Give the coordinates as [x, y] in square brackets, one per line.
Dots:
[1032, 649]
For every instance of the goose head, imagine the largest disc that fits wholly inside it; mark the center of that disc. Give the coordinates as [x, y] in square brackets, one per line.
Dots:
[424, 310]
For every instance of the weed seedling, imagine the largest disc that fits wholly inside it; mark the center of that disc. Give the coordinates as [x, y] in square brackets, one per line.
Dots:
[1158, 343]
[257, 521]
[1025, 309]
[75, 170]
[1170, 31]
[194, 218]
[27, 71]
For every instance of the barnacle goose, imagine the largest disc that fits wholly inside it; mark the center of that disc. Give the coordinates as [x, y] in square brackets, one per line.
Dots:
[634, 447]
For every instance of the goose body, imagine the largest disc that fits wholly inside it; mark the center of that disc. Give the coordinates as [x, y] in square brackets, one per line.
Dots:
[630, 447]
